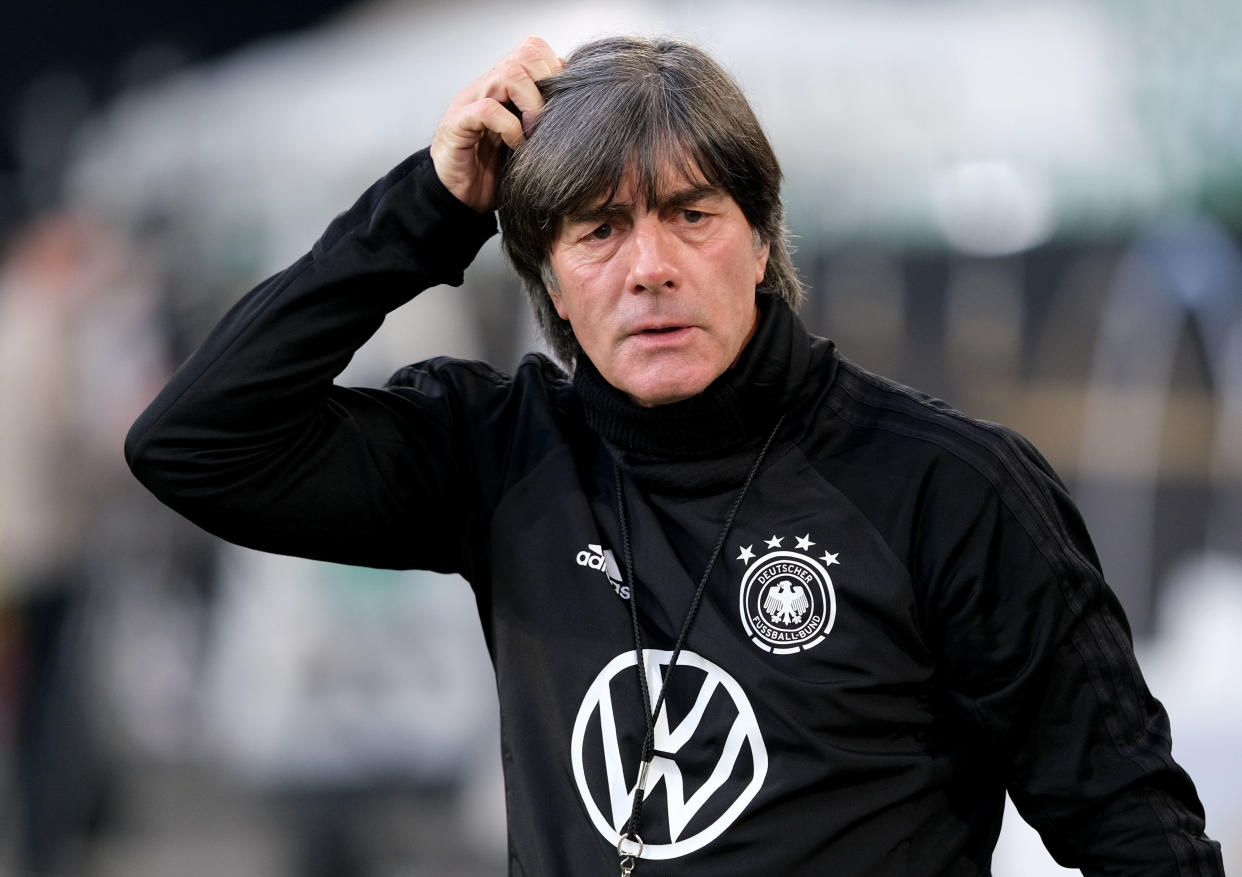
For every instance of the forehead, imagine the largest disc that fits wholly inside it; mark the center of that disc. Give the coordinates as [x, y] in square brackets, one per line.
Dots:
[651, 188]
[650, 184]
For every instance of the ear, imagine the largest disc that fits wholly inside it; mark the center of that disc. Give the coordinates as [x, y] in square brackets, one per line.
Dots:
[557, 302]
[553, 288]
[761, 263]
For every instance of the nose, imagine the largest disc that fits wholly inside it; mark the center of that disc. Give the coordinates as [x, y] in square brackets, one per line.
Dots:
[653, 266]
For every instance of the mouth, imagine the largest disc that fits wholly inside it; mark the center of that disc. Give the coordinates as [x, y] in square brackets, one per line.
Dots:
[658, 337]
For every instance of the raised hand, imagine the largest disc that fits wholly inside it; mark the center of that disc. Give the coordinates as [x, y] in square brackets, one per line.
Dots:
[486, 118]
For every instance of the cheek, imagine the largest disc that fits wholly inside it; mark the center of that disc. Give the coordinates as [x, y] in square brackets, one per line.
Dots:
[583, 293]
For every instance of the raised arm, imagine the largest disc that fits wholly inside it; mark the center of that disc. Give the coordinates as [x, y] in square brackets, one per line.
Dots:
[251, 439]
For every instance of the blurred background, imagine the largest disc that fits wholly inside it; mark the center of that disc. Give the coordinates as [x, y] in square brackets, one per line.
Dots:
[1030, 210]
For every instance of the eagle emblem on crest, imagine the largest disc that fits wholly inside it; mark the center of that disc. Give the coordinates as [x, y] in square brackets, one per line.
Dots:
[786, 605]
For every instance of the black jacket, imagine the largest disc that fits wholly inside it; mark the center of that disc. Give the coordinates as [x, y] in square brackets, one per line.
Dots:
[906, 618]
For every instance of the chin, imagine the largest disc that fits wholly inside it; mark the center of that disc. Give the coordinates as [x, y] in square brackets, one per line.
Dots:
[665, 392]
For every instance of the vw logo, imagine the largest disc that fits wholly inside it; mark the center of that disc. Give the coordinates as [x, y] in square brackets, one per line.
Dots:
[724, 765]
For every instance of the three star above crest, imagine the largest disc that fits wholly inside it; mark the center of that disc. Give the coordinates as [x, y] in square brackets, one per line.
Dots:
[747, 553]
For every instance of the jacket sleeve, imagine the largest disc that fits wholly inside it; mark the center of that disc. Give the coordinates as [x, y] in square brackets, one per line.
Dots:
[1036, 651]
[251, 439]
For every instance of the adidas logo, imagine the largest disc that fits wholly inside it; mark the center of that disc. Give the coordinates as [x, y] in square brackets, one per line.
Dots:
[598, 558]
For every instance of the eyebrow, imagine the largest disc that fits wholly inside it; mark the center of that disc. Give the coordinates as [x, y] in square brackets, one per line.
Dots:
[677, 198]
[688, 195]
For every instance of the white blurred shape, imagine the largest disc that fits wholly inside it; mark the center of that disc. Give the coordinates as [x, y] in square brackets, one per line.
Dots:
[1020, 852]
[1192, 664]
[867, 105]
[1192, 667]
[991, 208]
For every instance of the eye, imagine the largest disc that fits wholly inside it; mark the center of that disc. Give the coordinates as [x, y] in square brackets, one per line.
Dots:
[601, 233]
[692, 216]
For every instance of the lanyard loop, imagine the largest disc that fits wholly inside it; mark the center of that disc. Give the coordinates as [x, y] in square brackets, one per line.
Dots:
[629, 860]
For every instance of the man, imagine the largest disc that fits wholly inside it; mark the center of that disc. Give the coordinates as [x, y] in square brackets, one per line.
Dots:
[752, 610]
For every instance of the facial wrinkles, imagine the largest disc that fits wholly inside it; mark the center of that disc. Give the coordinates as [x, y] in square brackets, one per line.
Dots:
[670, 200]
[660, 291]
[592, 236]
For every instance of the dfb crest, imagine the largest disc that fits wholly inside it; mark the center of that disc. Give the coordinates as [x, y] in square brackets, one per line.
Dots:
[786, 600]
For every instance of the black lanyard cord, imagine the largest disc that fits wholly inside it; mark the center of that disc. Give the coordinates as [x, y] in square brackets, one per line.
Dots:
[629, 860]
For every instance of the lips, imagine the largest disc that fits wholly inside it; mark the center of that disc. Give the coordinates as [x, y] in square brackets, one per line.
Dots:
[662, 337]
[657, 327]
[661, 333]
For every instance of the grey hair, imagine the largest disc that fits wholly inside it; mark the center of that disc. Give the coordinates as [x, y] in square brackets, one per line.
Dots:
[631, 104]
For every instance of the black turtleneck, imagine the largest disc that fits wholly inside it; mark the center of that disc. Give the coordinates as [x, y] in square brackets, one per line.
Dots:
[710, 436]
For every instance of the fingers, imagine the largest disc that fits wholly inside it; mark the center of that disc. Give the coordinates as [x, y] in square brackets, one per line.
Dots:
[483, 116]
[496, 107]
[538, 58]
[514, 80]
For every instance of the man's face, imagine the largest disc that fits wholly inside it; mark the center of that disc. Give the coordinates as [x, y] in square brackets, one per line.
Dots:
[660, 296]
